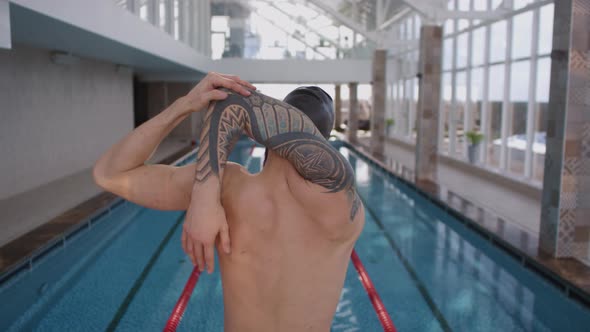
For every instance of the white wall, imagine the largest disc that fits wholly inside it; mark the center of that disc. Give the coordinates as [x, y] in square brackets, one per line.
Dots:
[55, 120]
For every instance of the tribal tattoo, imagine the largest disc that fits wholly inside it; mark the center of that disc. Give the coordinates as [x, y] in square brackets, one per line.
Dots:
[279, 127]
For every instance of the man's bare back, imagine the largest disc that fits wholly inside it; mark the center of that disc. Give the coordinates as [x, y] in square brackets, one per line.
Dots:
[287, 269]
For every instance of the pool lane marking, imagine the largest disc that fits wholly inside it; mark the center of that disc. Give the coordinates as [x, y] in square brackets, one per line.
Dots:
[421, 288]
[180, 307]
[378, 305]
[140, 280]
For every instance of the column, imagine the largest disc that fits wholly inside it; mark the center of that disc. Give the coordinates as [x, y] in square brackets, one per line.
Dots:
[153, 12]
[5, 35]
[378, 111]
[337, 107]
[353, 112]
[565, 212]
[428, 107]
[169, 14]
[182, 16]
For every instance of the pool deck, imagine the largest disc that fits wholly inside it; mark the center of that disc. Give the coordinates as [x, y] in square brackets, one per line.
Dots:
[14, 253]
[568, 274]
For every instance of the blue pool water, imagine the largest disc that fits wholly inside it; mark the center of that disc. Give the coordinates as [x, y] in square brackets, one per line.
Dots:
[432, 272]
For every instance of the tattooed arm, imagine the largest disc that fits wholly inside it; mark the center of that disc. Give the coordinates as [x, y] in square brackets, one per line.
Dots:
[284, 130]
[281, 128]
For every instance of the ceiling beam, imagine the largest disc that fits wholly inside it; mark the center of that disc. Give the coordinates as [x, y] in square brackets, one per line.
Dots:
[326, 38]
[292, 35]
[344, 20]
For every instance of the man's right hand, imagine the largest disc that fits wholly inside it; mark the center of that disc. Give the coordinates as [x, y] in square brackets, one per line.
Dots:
[208, 90]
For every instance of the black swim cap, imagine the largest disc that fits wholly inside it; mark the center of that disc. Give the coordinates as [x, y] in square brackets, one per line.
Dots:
[316, 104]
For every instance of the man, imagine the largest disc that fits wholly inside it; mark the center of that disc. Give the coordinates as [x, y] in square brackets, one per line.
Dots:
[292, 226]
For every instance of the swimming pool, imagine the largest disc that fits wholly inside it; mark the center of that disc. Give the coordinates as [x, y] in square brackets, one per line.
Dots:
[126, 269]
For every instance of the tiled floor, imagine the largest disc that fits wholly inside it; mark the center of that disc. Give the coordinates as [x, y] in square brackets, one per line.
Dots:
[36, 208]
[569, 274]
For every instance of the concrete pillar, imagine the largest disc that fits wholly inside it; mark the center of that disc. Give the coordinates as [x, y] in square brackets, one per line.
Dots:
[378, 111]
[169, 14]
[565, 213]
[337, 107]
[153, 11]
[353, 112]
[5, 35]
[429, 74]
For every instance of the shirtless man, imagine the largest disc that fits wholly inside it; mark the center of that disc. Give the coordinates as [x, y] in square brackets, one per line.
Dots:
[292, 226]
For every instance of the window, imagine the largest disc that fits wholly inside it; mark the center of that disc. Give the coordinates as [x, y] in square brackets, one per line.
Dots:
[498, 42]
[462, 50]
[540, 119]
[493, 132]
[517, 115]
[447, 53]
[522, 33]
[478, 46]
[460, 112]
[447, 90]
[474, 94]
[546, 29]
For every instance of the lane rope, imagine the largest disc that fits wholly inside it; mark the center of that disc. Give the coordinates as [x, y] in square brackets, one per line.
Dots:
[182, 302]
[380, 310]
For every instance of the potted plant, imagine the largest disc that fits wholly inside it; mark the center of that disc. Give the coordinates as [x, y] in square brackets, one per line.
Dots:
[389, 123]
[474, 138]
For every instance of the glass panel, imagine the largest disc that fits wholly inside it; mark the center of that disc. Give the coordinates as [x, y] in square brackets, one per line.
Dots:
[460, 109]
[498, 42]
[517, 113]
[447, 53]
[449, 27]
[463, 5]
[546, 29]
[478, 46]
[447, 89]
[521, 37]
[521, 3]
[175, 21]
[541, 104]
[415, 107]
[405, 116]
[480, 4]
[496, 97]
[162, 15]
[462, 50]
[143, 12]
[462, 24]
[476, 102]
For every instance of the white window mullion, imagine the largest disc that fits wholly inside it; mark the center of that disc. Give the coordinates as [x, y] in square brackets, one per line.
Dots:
[532, 103]
[485, 107]
[467, 121]
[452, 113]
[169, 11]
[506, 104]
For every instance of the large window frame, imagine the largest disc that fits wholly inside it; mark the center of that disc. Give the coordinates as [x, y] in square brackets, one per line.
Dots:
[457, 146]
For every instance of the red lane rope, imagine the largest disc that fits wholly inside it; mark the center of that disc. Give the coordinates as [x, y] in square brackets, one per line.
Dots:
[382, 314]
[182, 302]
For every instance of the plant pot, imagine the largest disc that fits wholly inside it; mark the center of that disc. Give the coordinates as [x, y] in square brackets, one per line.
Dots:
[473, 153]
